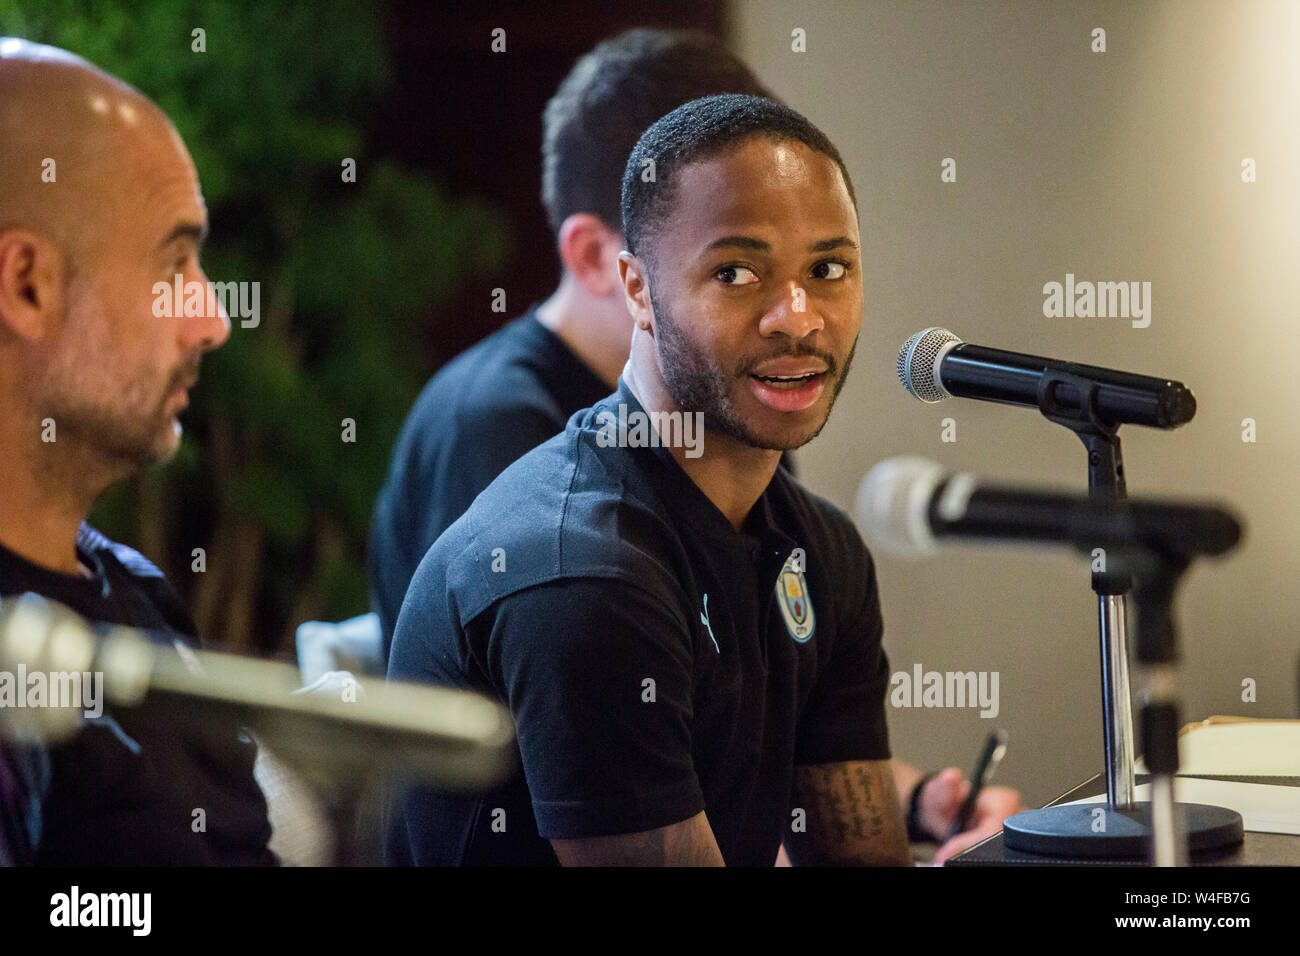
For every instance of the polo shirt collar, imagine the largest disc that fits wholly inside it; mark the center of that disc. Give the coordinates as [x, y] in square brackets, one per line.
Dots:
[688, 499]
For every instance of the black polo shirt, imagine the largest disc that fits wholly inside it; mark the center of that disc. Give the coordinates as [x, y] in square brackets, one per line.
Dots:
[123, 791]
[485, 408]
[657, 662]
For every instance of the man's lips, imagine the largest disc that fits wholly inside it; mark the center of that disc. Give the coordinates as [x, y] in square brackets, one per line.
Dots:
[788, 394]
[183, 390]
[789, 368]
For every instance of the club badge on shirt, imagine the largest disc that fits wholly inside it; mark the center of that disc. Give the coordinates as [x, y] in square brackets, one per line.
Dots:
[792, 597]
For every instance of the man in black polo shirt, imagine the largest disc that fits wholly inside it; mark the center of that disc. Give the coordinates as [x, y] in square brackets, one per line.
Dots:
[689, 641]
[518, 387]
[92, 377]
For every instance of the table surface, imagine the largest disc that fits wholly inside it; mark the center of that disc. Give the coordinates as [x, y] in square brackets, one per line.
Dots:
[1258, 849]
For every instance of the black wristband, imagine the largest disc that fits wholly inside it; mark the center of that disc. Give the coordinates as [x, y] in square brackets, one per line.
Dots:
[915, 832]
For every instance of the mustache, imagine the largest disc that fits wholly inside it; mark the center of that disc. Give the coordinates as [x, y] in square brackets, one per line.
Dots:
[186, 375]
[799, 351]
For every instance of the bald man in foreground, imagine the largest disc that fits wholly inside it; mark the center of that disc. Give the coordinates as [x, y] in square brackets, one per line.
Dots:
[100, 201]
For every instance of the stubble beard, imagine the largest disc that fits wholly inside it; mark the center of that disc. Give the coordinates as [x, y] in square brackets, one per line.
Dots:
[125, 425]
[697, 385]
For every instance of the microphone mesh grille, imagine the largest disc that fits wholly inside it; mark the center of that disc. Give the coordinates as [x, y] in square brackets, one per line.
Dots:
[916, 363]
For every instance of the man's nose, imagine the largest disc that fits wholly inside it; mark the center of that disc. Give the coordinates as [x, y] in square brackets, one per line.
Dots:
[792, 314]
[211, 329]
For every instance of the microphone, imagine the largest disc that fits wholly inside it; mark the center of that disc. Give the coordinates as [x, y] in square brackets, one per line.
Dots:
[935, 364]
[905, 504]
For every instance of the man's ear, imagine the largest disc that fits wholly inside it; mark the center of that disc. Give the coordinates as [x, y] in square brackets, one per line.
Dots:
[32, 271]
[588, 249]
[636, 290]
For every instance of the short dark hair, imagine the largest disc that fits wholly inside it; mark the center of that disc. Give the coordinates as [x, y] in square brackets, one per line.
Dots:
[699, 130]
[609, 98]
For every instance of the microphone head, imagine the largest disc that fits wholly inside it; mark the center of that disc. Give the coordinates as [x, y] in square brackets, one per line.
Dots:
[918, 363]
[893, 505]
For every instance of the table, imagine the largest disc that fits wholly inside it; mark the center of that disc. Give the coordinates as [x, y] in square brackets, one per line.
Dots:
[1258, 849]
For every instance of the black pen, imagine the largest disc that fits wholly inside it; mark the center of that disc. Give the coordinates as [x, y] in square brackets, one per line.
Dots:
[994, 749]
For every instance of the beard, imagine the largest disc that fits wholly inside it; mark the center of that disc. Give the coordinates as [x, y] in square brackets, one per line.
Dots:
[697, 384]
[126, 423]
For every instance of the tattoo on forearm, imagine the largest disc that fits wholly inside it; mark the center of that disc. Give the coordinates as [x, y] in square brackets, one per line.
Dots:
[850, 811]
[870, 803]
[846, 807]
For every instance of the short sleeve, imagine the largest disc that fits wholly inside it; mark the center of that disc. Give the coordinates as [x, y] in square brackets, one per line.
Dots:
[845, 715]
[599, 677]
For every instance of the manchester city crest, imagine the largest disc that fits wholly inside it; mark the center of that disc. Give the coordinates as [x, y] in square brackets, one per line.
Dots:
[793, 600]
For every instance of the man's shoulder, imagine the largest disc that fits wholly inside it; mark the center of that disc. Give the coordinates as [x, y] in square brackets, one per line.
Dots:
[565, 510]
[497, 376]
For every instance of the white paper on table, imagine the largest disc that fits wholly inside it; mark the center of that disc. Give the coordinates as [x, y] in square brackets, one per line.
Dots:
[1251, 748]
[1264, 808]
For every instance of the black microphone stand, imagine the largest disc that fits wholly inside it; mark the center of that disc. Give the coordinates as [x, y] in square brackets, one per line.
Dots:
[1105, 484]
[1124, 828]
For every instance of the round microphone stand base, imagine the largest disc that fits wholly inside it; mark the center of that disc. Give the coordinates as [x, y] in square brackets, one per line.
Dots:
[1078, 830]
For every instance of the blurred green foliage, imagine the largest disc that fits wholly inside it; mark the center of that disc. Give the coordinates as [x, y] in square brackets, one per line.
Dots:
[348, 272]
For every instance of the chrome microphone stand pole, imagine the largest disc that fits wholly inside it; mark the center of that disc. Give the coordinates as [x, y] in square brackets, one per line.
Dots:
[1105, 484]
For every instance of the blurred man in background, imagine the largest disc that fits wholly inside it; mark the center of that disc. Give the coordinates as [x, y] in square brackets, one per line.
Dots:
[519, 387]
[100, 201]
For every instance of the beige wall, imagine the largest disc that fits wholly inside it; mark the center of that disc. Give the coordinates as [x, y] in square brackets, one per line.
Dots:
[1117, 166]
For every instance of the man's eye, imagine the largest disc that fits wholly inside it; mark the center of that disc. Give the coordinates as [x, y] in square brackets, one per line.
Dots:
[830, 269]
[736, 275]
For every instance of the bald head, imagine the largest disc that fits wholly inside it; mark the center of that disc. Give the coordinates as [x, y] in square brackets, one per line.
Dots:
[100, 207]
[69, 135]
